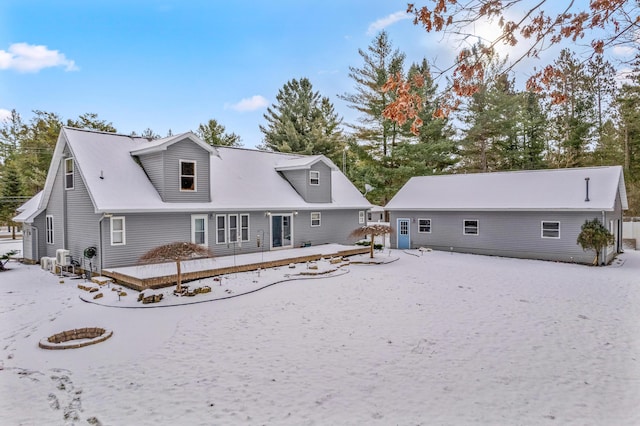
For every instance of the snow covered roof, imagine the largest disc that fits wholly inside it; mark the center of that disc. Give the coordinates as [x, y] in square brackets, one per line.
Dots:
[555, 189]
[303, 163]
[251, 180]
[29, 209]
[240, 178]
[157, 145]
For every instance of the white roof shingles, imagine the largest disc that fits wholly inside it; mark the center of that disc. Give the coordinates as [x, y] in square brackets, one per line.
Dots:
[28, 210]
[555, 189]
[240, 178]
[249, 179]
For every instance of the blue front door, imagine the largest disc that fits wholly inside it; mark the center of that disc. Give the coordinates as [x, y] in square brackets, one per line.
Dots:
[404, 240]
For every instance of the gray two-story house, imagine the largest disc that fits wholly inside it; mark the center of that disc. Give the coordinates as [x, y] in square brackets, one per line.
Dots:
[528, 214]
[124, 195]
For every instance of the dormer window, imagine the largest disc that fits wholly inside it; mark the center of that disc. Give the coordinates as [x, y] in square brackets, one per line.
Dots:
[187, 175]
[68, 173]
[314, 177]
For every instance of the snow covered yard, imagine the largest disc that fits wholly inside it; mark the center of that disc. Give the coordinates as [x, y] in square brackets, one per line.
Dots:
[433, 339]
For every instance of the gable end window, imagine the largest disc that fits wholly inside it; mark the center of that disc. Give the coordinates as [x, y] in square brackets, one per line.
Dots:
[187, 175]
[49, 229]
[314, 177]
[549, 229]
[118, 233]
[424, 226]
[315, 219]
[470, 227]
[68, 173]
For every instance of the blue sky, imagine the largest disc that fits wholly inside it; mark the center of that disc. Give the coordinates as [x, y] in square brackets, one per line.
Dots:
[174, 64]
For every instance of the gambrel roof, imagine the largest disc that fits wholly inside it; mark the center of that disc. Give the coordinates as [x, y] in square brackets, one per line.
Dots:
[554, 189]
[240, 178]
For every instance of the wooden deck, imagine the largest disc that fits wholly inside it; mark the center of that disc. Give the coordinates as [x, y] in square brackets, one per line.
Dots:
[164, 274]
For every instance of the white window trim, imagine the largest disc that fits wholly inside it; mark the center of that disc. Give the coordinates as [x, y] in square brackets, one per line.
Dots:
[49, 234]
[311, 178]
[464, 229]
[425, 232]
[224, 228]
[248, 227]
[195, 176]
[319, 219]
[204, 217]
[66, 173]
[542, 229]
[361, 216]
[237, 228]
[124, 230]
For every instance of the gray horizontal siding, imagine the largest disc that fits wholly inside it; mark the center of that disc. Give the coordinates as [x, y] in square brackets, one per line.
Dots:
[335, 227]
[320, 193]
[55, 208]
[300, 179]
[189, 151]
[39, 226]
[511, 234]
[143, 232]
[82, 223]
[153, 165]
[147, 231]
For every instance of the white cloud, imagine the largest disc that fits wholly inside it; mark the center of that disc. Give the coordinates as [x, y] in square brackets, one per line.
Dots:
[383, 23]
[25, 57]
[624, 50]
[249, 104]
[5, 114]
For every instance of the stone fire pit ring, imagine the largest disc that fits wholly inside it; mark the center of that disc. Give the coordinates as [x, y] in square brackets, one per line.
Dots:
[77, 338]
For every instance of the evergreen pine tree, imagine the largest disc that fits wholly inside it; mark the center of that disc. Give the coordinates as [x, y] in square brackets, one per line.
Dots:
[303, 122]
[214, 134]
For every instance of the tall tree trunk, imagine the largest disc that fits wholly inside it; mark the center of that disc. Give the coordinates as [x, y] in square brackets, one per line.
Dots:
[372, 244]
[179, 278]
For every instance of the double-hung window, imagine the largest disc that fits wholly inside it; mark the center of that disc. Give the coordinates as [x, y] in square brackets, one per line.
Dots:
[199, 231]
[49, 229]
[424, 226]
[118, 231]
[470, 227]
[68, 173]
[315, 219]
[233, 228]
[550, 229]
[361, 217]
[221, 229]
[244, 227]
[314, 177]
[187, 175]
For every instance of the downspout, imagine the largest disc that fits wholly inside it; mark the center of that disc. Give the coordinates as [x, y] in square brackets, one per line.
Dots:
[603, 260]
[104, 215]
[37, 251]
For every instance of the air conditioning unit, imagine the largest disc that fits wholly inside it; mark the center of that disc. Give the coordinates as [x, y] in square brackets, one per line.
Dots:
[47, 263]
[62, 257]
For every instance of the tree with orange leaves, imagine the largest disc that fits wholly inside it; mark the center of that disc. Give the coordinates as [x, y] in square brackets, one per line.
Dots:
[617, 20]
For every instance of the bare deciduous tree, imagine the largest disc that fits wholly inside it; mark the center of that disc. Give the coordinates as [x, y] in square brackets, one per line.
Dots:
[175, 252]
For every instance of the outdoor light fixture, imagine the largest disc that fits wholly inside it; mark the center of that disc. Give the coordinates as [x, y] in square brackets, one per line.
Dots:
[267, 214]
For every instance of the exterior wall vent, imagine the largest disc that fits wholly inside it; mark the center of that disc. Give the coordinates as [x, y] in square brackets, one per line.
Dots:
[586, 181]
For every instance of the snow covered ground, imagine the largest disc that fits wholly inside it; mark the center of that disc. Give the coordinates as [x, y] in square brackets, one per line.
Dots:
[432, 339]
